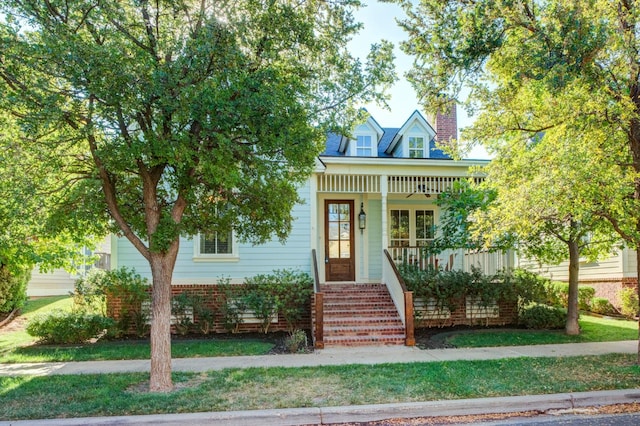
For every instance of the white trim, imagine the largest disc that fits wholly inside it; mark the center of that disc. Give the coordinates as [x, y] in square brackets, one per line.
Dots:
[225, 257]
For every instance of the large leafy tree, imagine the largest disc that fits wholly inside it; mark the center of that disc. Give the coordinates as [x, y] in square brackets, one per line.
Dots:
[583, 55]
[170, 118]
[547, 203]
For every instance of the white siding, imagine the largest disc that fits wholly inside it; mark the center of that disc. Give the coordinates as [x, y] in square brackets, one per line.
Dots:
[608, 268]
[56, 283]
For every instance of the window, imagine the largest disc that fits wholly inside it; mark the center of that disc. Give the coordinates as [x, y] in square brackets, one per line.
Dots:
[424, 227]
[216, 245]
[410, 228]
[399, 223]
[416, 147]
[363, 146]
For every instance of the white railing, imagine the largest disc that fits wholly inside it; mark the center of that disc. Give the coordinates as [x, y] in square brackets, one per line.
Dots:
[349, 183]
[395, 288]
[423, 184]
[489, 262]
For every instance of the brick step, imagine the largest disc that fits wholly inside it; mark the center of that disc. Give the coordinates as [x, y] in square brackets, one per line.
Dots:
[360, 314]
[358, 307]
[364, 340]
[353, 313]
[352, 296]
[362, 330]
[361, 320]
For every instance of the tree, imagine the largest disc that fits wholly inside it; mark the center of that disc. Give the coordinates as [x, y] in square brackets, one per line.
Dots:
[545, 202]
[583, 55]
[179, 117]
[24, 239]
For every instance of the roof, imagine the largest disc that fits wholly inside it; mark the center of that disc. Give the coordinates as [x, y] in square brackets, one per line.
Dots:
[388, 141]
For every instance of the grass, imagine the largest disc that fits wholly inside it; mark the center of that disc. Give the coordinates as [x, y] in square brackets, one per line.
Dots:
[255, 388]
[18, 346]
[593, 329]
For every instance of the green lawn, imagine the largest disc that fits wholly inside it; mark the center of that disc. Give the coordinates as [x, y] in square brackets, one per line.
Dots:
[18, 346]
[593, 329]
[259, 388]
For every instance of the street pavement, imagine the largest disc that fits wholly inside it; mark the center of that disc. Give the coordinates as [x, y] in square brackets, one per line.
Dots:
[343, 356]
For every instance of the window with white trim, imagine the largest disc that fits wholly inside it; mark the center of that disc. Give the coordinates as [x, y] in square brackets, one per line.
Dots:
[214, 246]
[364, 147]
[410, 228]
[417, 147]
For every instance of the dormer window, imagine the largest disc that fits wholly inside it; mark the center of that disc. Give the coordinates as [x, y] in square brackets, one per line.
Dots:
[416, 147]
[364, 147]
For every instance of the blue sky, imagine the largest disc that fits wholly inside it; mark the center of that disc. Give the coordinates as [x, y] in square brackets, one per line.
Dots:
[379, 23]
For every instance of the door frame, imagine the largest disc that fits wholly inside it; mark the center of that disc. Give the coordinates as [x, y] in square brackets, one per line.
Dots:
[352, 250]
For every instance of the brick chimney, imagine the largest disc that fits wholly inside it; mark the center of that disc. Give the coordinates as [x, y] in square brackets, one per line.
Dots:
[447, 124]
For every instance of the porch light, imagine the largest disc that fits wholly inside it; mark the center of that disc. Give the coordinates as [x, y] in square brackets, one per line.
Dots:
[362, 218]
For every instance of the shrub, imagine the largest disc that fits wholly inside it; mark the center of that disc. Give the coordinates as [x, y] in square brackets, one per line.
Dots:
[602, 306]
[585, 297]
[629, 299]
[60, 327]
[231, 305]
[204, 314]
[90, 291]
[529, 287]
[133, 291]
[293, 295]
[539, 316]
[558, 295]
[296, 341]
[13, 288]
[182, 311]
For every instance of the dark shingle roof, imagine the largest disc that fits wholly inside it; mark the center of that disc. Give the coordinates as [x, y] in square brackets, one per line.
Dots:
[333, 144]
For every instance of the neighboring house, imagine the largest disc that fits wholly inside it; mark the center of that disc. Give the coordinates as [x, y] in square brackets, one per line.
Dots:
[61, 282]
[608, 276]
[372, 192]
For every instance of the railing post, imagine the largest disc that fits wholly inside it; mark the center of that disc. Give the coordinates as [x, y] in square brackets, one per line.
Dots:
[410, 339]
[319, 331]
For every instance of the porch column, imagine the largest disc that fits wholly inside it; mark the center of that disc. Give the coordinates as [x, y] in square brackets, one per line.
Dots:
[384, 189]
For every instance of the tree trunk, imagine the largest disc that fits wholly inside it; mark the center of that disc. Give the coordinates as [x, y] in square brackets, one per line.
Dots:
[162, 265]
[638, 293]
[573, 327]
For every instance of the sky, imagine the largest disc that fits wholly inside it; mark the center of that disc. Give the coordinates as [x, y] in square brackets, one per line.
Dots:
[379, 21]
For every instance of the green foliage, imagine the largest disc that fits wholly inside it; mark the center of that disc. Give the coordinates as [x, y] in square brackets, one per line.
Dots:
[204, 312]
[530, 287]
[90, 291]
[13, 288]
[182, 309]
[629, 300]
[538, 316]
[296, 341]
[133, 291]
[459, 204]
[602, 306]
[231, 305]
[61, 327]
[558, 295]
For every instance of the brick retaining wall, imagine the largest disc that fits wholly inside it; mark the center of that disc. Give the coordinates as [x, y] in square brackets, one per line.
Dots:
[209, 295]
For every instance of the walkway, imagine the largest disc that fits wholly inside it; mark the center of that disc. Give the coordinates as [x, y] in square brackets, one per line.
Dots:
[331, 356]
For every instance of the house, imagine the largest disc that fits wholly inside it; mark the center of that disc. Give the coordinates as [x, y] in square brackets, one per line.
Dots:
[369, 204]
[61, 282]
[608, 276]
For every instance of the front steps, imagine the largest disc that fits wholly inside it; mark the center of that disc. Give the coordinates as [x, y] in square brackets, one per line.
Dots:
[360, 314]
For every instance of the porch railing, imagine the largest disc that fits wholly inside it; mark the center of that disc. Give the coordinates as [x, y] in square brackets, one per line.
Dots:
[489, 262]
[317, 317]
[402, 298]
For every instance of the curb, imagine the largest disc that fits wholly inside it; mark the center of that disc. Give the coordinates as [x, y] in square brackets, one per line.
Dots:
[360, 413]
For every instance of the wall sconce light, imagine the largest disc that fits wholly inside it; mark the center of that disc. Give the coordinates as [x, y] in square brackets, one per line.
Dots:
[362, 218]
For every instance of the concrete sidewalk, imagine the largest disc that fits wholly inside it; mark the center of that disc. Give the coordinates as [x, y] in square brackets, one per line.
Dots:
[368, 355]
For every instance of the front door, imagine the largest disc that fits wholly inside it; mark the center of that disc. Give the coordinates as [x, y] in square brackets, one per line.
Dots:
[339, 249]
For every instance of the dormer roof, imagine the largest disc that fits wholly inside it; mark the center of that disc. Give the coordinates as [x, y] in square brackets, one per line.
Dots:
[372, 124]
[416, 117]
